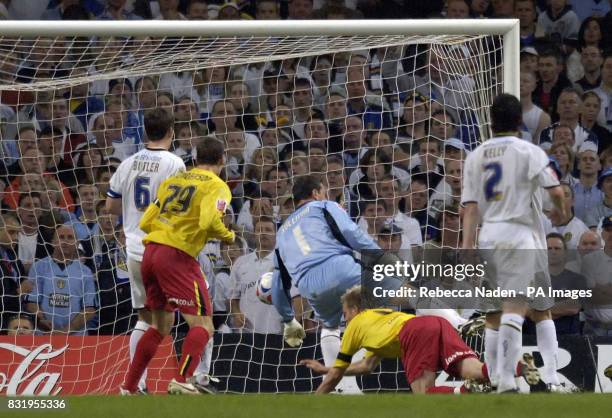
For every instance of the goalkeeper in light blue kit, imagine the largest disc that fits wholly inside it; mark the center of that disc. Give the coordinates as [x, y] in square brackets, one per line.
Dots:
[314, 250]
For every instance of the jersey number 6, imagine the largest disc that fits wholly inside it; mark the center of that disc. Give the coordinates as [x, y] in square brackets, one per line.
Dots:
[492, 195]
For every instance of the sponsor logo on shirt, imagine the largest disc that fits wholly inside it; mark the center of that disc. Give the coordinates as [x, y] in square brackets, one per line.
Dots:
[59, 300]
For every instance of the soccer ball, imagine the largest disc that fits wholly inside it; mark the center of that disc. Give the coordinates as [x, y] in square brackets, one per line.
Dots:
[264, 288]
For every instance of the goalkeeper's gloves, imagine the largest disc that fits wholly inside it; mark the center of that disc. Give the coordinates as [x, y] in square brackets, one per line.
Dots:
[294, 333]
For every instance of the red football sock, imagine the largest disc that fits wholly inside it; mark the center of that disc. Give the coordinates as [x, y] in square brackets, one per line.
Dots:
[485, 372]
[145, 350]
[444, 390]
[194, 344]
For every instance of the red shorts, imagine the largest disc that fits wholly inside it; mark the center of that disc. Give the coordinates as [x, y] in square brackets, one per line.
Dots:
[173, 280]
[430, 343]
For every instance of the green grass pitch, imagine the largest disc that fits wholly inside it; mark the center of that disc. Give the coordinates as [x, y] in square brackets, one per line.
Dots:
[331, 406]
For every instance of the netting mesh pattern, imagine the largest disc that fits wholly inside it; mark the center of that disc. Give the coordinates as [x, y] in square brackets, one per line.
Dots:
[386, 120]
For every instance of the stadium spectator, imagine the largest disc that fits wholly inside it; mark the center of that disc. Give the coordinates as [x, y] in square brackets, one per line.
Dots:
[186, 110]
[13, 283]
[247, 311]
[535, 120]
[604, 91]
[603, 208]
[388, 189]
[596, 269]
[559, 22]
[457, 9]
[373, 109]
[117, 10]
[525, 11]
[442, 125]
[267, 10]
[569, 106]
[590, 8]
[107, 137]
[197, 10]
[86, 216]
[591, 60]
[565, 312]
[389, 237]
[300, 9]
[501, 9]
[569, 227]
[564, 156]
[591, 106]
[20, 324]
[353, 141]
[529, 60]
[448, 191]
[372, 216]
[28, 213]
[586, 192]
[64, 296]
[414, 117]
[428, 169]
[116, 315]
[552, 81]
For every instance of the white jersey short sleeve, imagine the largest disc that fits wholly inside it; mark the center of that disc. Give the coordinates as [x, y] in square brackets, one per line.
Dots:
[136, 182]
[502, 176]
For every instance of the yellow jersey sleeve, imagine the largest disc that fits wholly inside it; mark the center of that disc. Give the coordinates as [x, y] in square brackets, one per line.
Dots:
[211, 214]
[350, 345]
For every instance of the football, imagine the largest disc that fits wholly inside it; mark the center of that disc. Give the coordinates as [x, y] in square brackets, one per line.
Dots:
[264, 288]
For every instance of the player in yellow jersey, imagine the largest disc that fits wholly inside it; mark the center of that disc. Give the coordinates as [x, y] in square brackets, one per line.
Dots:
[426, 345]
[187, 213]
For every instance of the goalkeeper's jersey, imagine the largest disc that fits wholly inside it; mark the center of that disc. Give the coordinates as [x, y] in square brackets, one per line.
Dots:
[188, 212]
[376, 330]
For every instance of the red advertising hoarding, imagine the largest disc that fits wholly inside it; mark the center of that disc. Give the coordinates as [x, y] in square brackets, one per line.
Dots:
[65, 365]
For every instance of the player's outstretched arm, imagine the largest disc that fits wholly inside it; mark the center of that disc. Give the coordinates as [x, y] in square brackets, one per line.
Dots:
[365, 366]
[332, 378]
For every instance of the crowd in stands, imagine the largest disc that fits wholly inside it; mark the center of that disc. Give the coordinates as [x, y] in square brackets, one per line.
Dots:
[382, 126]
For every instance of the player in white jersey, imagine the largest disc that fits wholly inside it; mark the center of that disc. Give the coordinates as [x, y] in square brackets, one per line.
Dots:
[133, 186]
[502, 178]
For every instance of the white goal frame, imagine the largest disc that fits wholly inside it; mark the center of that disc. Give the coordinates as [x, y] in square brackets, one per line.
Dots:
[508, 28]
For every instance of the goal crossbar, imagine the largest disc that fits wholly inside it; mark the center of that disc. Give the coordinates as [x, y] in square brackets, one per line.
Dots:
[508, 28]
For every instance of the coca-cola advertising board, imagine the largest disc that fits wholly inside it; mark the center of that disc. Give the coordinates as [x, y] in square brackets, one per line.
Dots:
[65, 365]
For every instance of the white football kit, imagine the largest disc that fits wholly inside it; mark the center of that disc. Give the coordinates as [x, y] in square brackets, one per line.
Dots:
[504, 176]
[136, 182]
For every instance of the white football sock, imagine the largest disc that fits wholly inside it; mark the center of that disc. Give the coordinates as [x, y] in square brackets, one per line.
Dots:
[509, 350]
[491, 338]
[450, 315]
[202, 372]
[548, 348]
[138, 331]
[330, 347]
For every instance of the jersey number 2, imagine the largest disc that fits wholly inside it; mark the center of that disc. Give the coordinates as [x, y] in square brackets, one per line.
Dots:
[142, 194]
[492, 195]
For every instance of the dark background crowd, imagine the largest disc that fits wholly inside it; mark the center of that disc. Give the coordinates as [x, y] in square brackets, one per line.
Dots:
[384, 126]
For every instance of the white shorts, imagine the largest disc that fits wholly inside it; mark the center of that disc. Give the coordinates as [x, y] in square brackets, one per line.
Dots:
[136, 286]
[516, 261]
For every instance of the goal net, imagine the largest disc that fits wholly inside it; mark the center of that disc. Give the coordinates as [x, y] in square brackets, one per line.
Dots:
[385, 112]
